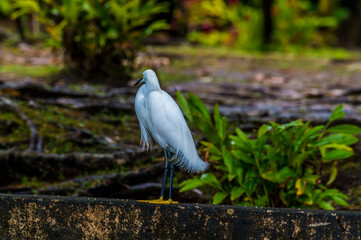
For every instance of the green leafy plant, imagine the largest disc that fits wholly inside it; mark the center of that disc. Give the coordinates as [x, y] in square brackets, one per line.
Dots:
[97, 36]
[5, 7]
[300, 23]
[296, 24]
[280, 166]
[214, 22]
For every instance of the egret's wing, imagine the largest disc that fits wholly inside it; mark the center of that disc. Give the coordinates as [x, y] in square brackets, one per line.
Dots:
[166, 119]
[141, 111]
[170, 129]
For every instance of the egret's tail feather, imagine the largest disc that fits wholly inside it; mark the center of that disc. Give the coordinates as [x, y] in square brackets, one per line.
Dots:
[145, 138]
[186, 155]
[187, 158]
[194, 165]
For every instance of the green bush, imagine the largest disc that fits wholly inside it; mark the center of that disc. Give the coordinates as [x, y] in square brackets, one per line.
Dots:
[299, 23]
[279, 166]
[236, 25]
[97, 36]
[5, 7]
[296, 24]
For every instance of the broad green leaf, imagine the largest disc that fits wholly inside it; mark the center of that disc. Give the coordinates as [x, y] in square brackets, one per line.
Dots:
[206, 127]
[300, 186]
[315, 130]
[198, 106]
[339, 138]
[213, 150]
[224, 124]
[271, 176]
[336, 192]
[285, 173]
[345, 128]
[5, 7]
[279, 177]
[240, 172]
[237, 141]
[290, 124]
[112, 33]
[182, 101]
[216, 158]
[339, 201]
[333, 174]
[263, 129]
[261, 201]
[325, 205]
[300, 158]
[219, 197]
[191, 184]
[156, 26]
[337, 154]
[283, 196]
[252, 179]
[24, 7]
[228, 161]
[259, 147]
[220, 122]
[337, 113]
[309, 135]
[309, 177]
[243, 156]
[231, 176]
[236, 192]
[334, 146]
[242, 135]
[211, 180]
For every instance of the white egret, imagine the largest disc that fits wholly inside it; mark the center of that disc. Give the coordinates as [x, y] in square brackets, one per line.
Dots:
[162, 121]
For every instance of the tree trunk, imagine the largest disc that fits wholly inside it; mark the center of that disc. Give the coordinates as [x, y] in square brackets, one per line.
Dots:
[349, 31]
[20, 28]
[267, 22]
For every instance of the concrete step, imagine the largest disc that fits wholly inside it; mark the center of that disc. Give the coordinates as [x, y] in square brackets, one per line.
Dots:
[49, 217]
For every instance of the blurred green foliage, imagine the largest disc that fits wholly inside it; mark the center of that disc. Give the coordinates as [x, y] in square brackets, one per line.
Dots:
[240, 24]
[236, 25]
[97, 36]
[21, 70]
[280, 166]
[101, 37]
[299, 23]
[5, 7]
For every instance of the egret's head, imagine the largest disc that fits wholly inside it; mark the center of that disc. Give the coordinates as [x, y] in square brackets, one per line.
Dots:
[150, 79]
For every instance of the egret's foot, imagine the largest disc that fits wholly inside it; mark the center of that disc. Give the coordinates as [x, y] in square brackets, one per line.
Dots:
[160, 201]
[172, 202]
[152, 201]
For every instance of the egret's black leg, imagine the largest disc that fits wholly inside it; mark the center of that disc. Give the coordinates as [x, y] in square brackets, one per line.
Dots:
[171, 165]
[166, 166]
[164, 174]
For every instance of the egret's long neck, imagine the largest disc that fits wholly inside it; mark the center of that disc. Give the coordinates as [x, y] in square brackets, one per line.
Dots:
[152, 85]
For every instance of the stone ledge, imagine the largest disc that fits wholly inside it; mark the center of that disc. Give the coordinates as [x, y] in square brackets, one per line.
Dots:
[47, 217]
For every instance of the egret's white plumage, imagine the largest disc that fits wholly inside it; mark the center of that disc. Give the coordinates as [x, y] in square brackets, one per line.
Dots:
[161, 120]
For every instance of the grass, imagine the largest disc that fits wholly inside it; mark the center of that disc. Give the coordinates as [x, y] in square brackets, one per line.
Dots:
[22, 70]
[168, 78]
[223, 51]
